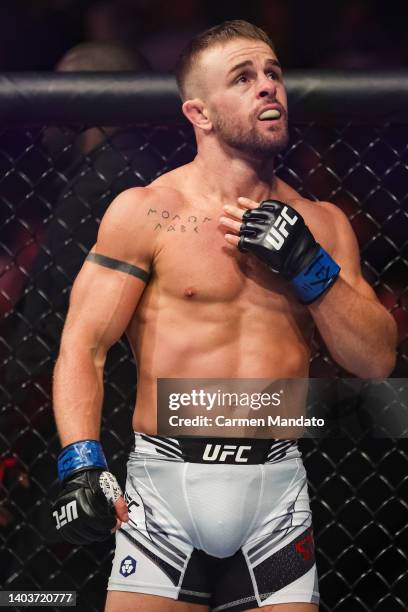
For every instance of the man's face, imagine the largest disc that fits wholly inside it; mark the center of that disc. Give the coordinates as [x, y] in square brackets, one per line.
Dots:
[243, 79]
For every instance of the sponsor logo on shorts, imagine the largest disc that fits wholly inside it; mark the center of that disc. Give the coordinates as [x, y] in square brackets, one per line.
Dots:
[67, 513]
[225, 453]
[127, 566]
[278, 232]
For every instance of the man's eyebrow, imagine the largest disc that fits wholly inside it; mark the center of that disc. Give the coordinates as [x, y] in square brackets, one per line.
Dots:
[246, 63]
[239, 66]
[274, 62]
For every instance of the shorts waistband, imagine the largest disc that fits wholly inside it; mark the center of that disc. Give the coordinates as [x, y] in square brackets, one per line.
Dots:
[239, 451]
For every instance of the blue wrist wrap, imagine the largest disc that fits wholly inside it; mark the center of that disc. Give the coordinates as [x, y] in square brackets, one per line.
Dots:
[86, 453]
[314, 280]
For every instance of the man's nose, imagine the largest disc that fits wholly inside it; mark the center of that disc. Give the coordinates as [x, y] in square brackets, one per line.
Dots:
[266, 87]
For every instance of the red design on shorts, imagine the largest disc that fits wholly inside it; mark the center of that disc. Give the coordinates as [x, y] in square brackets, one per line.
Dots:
[305, 546]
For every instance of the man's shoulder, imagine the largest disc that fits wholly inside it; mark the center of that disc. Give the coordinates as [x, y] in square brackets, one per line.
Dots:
[308, 207]
[172, 183]
[325, 211]
[138, 212]
[134, 204]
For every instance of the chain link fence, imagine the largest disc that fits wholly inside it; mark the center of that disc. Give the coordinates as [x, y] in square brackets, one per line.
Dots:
[56, 180]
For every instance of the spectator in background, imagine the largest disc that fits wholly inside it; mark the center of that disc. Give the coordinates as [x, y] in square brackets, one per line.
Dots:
[92, 57]
[105, 162]
[102, 57]
[122, 21]
[160, 28]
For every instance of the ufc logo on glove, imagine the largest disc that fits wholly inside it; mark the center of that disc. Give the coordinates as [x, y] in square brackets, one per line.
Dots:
[67, 513]
[278, 232]
[294, 255]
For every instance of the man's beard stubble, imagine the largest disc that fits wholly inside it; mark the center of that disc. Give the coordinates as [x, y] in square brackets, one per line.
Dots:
[250, 141]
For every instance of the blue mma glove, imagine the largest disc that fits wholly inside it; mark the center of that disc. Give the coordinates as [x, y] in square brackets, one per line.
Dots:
[277, 235]
[84, 509]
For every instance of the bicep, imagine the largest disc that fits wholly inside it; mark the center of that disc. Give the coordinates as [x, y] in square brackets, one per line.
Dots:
[111, 281]
[102, 303]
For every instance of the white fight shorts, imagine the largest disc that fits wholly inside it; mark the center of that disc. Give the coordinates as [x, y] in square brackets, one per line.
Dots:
[222, 522]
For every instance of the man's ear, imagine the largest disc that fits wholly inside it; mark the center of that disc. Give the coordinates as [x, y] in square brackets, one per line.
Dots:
[196, 112]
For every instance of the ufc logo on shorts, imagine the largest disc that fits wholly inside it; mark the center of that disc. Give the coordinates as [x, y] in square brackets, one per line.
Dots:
[213, 452]
[68, 513]
[278, 232]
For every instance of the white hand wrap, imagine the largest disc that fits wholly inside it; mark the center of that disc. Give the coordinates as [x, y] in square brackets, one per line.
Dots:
[110, 487]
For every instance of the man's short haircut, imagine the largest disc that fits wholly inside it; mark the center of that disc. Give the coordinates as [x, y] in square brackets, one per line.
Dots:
[217, 35]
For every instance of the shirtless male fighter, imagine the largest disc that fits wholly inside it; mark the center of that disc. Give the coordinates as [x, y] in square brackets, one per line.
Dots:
[209, 281]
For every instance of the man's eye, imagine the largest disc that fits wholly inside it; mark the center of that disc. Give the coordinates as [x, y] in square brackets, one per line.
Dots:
[242, 78]
[273, 75]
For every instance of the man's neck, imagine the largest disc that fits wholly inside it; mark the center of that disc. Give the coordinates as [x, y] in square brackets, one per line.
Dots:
[224, 178]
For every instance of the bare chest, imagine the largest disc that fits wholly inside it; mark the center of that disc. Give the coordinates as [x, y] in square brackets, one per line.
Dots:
[196, 264]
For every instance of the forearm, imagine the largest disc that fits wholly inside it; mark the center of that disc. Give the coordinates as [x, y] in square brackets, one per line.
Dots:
[359, 332]
[77, 394]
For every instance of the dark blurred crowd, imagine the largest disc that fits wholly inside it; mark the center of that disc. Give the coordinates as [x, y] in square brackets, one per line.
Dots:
[348, 34]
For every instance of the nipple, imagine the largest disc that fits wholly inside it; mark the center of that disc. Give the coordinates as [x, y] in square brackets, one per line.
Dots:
[189, 292]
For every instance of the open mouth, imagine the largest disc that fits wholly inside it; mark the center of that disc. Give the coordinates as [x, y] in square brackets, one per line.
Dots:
[270, 115]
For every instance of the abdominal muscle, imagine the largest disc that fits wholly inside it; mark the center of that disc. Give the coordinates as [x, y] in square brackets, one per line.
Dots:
[187, 340]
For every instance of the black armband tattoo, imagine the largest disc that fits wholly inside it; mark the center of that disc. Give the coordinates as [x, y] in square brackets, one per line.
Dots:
[122, 266]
